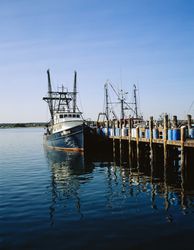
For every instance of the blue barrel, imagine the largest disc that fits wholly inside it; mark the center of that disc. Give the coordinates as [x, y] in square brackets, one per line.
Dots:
[141, 133]
[170, 134]
[147, 133]
[155, 133]
[103, 131]
[191, 133]
[176, 135]
[133, 132]
[117, 131]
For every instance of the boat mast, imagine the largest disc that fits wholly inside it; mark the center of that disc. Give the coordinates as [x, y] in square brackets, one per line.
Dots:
[135, 100]
[74, 91]
[50, 101]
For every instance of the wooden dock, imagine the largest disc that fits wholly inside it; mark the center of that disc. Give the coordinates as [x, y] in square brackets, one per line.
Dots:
[168, 136]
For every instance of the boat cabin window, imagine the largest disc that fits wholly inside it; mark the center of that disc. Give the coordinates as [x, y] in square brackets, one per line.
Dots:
[69, 115]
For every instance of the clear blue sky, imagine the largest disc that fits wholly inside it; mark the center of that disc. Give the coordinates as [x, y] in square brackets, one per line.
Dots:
[144, 42]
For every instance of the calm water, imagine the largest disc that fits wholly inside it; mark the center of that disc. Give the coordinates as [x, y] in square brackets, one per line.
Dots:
[51, 200]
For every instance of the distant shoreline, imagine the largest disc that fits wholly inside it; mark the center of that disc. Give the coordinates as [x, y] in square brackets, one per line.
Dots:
[23, 125]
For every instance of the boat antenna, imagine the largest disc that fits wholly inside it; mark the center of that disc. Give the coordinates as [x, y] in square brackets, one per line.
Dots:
[50, 101]
[74, 91]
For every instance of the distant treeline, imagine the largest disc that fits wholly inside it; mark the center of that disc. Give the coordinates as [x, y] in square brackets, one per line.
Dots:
[22, 125]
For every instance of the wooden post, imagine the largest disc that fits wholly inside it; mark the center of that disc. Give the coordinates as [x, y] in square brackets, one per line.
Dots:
[117, 123]
[165, 137]
[165, 127]
[124, 123]
[174, 121]
[129, 130]
[114, 149]
[151, 140]
[129, 141]
[137, 143]
[120, 151]
[120, 141]
[183, 136]
[151, 128]
[113, 128]
[189, 121]
[121, 123]
[107, 127]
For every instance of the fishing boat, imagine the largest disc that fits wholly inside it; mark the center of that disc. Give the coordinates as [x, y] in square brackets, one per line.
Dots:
[66, 129]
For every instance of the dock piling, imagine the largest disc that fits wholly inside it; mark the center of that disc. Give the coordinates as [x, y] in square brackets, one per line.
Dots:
[129, 140]
[183, 135]
[165, 137]
[189, 120]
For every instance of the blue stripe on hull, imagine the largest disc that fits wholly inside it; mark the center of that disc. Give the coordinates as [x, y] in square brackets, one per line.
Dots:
[74, 140]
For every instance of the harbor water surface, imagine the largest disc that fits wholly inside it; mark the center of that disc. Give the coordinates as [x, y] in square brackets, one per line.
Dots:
[55, 200]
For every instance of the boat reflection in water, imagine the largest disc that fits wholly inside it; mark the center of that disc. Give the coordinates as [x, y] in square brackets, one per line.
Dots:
[69, 171]
[67, 163]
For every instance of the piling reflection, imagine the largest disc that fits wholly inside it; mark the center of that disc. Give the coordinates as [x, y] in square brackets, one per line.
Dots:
[168, 186]
[169, 179]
